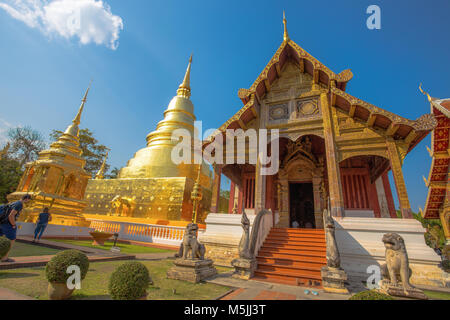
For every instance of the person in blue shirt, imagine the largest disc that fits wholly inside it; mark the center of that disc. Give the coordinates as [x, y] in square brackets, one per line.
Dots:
[41, 224]
[8, 228]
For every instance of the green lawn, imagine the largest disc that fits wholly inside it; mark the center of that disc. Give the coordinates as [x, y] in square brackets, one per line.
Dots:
[21, 249]
[32, 282]
[125, 248]
[437, 295]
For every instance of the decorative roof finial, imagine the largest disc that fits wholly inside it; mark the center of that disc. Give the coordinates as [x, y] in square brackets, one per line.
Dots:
[77, 119]
[425, 93]
[184, 90]
[101, 172]
[285, 35]
[73, 128]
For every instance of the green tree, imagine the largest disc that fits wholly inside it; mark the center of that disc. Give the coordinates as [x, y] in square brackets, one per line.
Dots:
[93, 151]
[434, 237]
[26, 143]
[113, 173]
[10, 174]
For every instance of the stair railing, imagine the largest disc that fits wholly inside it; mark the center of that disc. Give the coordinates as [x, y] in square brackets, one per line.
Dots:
[333, 256]
[261, 227]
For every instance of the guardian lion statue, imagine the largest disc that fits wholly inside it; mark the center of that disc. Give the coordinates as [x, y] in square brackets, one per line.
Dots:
[191, 245]
[397, 263]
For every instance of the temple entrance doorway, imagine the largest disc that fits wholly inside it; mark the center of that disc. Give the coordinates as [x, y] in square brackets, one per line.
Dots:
[301, 205]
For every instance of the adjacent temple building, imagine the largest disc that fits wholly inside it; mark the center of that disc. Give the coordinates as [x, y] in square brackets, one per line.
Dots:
[437, 205]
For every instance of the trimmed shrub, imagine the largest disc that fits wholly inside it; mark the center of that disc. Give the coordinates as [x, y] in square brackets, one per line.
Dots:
[446, 265]
[129, 281]
[5, 245]
[370, 295]
[56, 269]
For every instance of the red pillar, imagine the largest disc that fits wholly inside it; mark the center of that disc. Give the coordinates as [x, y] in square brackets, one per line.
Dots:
[388, 193]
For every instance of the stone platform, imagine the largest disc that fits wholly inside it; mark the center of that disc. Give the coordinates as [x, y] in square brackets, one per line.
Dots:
[191, 270]
[398, 291]
[360, 246]
[222, 236]
[244, 268]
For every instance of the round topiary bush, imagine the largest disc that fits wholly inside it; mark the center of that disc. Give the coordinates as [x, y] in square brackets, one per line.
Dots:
[129, 281]
[56, 269]
[370, 295]
[446, 265]
[5, 245]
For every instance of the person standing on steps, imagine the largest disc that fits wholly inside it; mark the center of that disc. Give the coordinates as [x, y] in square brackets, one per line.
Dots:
[41, 224]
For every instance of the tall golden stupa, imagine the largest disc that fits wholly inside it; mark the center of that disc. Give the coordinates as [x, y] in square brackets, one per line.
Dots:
[151, 188]
[57, 179]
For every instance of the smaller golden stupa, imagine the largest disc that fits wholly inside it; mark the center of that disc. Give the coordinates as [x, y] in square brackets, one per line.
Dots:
[57, 179]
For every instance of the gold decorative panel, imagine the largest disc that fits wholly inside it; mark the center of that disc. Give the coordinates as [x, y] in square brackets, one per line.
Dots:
[307, 108]
[279, 112]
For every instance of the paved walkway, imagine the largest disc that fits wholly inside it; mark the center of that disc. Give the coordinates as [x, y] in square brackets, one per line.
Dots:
[154, 256]
[259, 290]
[6, 294]
[93, 254]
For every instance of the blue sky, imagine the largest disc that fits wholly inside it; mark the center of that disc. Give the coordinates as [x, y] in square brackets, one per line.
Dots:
[136, 72]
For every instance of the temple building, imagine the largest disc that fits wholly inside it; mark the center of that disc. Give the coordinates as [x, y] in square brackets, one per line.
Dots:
[332, 144]
[438, 199]
[151, 188]
[335, 151]
[57, 179]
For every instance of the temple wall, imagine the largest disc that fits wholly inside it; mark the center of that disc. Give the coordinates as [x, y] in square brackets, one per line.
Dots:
[152, 198]
[360, 246]
[222, 236]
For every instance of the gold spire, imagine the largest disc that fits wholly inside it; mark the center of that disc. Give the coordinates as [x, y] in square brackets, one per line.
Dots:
[184, 90]
[77, 119]
[285, 35]
[101, 172]
[73, 128]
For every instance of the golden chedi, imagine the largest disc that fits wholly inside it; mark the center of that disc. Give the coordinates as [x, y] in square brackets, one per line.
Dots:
[152, 188]
[57, 179]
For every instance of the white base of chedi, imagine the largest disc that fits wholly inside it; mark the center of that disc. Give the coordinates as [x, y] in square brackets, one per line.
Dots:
[360, 246]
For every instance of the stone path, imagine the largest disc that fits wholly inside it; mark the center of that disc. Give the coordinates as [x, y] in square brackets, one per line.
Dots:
[6, 294]
[259, 290]
[93, 254]
[155, 256]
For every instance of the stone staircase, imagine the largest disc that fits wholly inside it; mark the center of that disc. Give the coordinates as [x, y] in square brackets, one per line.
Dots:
[292, 256]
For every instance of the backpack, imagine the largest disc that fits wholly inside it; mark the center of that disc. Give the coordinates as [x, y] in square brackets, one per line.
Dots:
[5, 210]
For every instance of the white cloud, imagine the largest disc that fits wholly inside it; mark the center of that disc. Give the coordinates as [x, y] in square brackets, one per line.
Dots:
[91, 21]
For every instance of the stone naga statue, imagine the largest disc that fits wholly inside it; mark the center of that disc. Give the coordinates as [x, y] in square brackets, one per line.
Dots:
[244, 244]
[191, 245]
[397, 263]
[333, 256]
